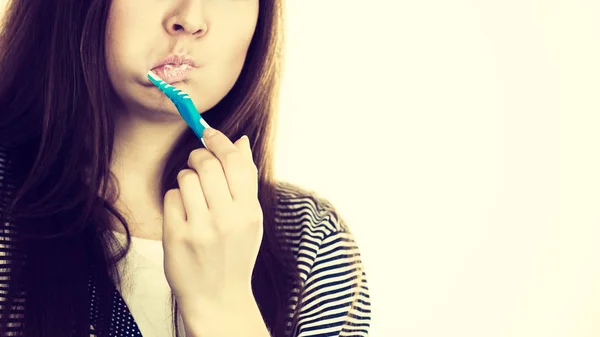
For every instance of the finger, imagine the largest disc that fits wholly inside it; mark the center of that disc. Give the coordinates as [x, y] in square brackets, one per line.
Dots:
[193, 198]
[243, 144]
[218, 143]
[212, 179]
[173, 213]
[247, 187]
[238, 166]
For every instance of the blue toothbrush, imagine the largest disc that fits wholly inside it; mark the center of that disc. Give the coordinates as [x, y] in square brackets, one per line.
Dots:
[183, 103]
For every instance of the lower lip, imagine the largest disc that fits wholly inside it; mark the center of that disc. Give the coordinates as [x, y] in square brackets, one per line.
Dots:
[172, 73]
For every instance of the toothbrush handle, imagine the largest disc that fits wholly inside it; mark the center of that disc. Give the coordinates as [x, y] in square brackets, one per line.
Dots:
[192, 117]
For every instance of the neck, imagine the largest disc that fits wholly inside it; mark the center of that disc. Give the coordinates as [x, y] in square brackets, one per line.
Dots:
[140, 151]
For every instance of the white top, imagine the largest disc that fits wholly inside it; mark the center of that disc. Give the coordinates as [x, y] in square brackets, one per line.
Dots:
[336, 300]
[145, 289]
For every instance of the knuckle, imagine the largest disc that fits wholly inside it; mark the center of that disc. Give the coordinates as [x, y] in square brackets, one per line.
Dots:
[207, 164]
[209, 238]
[220, 233]
[254, 169]
[196, 156]
[185, 174]
[173, 238]
[258, 215]
[233, 158]
[251, 168]
[172, 193]
[253, 215]
[212, 233]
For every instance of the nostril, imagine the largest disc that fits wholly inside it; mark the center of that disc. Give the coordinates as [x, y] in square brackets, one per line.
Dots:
[177, 27]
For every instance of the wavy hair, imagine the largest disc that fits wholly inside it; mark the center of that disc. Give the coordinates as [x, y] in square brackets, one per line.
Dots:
[57, 124]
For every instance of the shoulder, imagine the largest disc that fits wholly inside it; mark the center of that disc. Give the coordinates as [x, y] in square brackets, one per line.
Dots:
[334, 295]
[302, 209]
[311, 226]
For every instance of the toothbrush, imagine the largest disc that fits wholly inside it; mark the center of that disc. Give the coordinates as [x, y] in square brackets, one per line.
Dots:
[184, 105]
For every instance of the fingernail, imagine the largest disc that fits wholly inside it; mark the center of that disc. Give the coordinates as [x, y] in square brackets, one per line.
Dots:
[208, 132]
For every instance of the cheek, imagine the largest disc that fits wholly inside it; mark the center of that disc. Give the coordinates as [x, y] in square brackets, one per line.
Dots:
[219, 78]
[236, 31]
[126, 38]
[238, 47]
[234, 61]
[112, 58]
[121, 61]
[113, 49]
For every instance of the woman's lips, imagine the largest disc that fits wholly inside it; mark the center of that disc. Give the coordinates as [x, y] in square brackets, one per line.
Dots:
[172, 73]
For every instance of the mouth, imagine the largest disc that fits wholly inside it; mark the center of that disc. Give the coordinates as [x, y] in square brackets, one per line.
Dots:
[172, 73]
[174, 68]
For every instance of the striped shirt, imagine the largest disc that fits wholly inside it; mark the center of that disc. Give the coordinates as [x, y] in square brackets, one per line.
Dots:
[335, 296]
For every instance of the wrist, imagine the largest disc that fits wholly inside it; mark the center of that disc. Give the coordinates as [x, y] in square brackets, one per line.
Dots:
[212, 316]
[206, 305]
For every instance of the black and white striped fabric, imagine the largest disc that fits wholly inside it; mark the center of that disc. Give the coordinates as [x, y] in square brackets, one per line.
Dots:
[335, 295]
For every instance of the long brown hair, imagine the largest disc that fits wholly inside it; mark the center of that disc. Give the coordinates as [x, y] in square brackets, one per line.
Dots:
[56, 123]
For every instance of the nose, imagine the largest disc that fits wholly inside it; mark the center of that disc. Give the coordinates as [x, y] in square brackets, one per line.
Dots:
[188, 19]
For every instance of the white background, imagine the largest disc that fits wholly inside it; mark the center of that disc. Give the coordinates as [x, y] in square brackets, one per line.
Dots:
[459, 140]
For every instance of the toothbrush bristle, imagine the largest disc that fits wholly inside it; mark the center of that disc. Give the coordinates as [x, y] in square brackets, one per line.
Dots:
[154, 76]
[182, 102]
[172, 92]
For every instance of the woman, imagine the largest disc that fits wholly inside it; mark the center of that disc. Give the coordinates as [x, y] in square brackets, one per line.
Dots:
[118, 221]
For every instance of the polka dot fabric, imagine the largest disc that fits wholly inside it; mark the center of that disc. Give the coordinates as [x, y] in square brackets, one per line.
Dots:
[122, 323]
[335, 294]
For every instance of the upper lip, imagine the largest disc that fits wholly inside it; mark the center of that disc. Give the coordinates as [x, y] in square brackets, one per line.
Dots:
[176, 60]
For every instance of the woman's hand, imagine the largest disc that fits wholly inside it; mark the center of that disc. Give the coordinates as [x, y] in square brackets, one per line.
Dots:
[213, 226]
